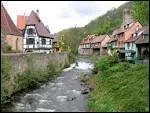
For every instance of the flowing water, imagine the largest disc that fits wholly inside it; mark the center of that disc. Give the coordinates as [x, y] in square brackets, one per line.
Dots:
[60, 95]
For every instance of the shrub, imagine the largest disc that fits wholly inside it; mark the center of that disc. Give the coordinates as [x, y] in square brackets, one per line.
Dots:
[51, 69]
[6, 86]
[120, 67]
[6, 48]
[27, 80]
[5, 67]
[72, 57]
[105, 62]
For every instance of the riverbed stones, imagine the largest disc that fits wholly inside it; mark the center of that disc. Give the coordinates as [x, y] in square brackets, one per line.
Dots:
[71, 98]
[85, 91]
[84, 78]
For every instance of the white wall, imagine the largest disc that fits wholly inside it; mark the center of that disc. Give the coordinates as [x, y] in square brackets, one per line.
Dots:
[37, 39]
[133, 47]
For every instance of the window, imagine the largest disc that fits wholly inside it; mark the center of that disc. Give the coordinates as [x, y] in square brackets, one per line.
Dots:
[30, 41]
[128, 45]
[43, 41]
[146, 36]
[124, 26]
[50, 41]
[30, 31]
[136, 34]
[132, 35]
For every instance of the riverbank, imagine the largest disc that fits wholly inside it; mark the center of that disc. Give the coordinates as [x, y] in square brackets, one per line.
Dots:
[119, 87]
[62, 94]
[24, 72]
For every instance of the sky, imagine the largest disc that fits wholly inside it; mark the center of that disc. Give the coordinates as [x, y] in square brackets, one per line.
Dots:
[59, 15]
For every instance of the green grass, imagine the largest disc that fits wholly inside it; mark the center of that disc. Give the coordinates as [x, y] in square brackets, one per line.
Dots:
[121, 87]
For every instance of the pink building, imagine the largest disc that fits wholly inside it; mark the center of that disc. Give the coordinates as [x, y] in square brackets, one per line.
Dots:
[94, 45]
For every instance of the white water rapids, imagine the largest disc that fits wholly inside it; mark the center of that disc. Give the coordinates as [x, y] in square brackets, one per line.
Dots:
[60, 95]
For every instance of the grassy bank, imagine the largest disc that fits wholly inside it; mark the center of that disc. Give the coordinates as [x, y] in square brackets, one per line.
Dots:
[30, 79]
[119, 87]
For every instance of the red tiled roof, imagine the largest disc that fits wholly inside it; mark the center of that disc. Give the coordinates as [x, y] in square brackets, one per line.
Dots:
[93, 39]
[121, 30]
[98, 38]
[21, 21]
[88, 39]
[113, 39]
[7, 25]
[118, 31]
[132, 39]
[96, 46]
[42, 31]
[144, 30]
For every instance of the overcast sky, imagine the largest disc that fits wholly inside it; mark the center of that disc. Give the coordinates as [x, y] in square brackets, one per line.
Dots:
[59, 15]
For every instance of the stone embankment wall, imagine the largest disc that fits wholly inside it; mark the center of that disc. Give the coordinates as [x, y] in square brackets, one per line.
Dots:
[15, 65]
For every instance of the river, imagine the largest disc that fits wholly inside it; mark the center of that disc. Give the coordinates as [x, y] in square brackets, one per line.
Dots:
[63, 94]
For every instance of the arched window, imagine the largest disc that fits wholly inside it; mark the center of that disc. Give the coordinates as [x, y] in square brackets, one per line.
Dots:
[43, 41]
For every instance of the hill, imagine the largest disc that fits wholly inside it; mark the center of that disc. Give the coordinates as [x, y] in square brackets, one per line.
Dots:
[104, 24]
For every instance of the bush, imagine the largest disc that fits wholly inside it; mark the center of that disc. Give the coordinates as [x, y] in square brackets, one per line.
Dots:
[104, 63]
[6, 67]
[6, 48]
[120, 67]
[72, 57]
[51, 69]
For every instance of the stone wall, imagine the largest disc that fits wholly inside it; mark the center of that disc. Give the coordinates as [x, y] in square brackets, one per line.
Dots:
[40, 60]
[16, 42]
[19, 63]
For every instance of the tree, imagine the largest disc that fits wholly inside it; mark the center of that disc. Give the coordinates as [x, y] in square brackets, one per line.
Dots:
[140, 11]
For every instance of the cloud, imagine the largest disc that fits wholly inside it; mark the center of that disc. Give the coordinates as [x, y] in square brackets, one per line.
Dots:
[59, 15]
[85, 8]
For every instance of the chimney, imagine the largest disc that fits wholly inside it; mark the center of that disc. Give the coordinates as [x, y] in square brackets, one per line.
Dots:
[37, 12]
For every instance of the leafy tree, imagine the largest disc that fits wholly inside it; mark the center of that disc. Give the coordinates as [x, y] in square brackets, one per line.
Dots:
[140, 11]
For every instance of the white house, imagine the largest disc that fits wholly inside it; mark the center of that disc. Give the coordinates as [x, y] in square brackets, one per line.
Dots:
[37, 37]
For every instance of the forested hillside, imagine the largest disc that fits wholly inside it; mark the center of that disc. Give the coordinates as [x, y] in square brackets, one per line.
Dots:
[104, 24]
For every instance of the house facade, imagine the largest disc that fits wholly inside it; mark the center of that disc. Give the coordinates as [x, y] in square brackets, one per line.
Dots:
[55, 44]
[85, 46]
[104, 45]
[37, 37]
[94, 45]
[99, 44]
[142, 44]
[128, 27]
[12, 35]
[137, 44]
